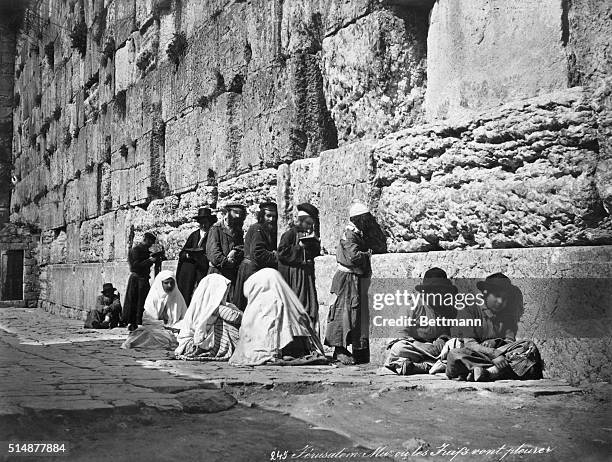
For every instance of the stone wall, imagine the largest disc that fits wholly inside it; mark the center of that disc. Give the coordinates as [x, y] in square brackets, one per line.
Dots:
[566, 292]
[464, 125]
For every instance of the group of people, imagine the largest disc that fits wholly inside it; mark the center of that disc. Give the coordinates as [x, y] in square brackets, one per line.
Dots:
[246, 300]
[480, 346]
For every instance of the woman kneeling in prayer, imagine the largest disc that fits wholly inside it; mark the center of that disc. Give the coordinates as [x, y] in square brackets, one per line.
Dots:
[276, 328]
[491, 352]
[209, 330]
[164, 309]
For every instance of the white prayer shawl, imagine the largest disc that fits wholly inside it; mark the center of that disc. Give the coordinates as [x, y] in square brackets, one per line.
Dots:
[199, 321]
[158, 298]
[272, 318]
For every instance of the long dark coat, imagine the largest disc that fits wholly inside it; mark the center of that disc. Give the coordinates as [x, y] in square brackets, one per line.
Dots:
[192, 265]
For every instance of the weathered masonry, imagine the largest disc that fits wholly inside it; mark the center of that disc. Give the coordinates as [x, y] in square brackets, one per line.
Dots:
[474, 129]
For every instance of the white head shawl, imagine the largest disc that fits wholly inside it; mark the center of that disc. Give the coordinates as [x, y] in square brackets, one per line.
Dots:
[158, 298]
[273, 317]
[201, 315]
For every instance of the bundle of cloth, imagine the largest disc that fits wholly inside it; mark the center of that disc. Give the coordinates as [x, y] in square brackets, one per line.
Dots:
[209, 331]
[164, 310]
[276, 328]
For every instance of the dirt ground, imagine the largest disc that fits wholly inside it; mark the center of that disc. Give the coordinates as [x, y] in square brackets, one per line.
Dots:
[365, 423]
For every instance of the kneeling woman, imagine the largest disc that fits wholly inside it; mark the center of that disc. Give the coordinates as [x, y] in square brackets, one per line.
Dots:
[275, 329]
[164, 309]
[209, 330]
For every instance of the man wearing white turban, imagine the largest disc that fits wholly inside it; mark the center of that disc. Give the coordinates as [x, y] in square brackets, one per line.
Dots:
[164, 309]
[348, 320]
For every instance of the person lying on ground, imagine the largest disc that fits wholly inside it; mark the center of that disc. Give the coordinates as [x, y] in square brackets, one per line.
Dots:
[107, 312]
[275, 329]
[164, 310]
[491, 351]
[209, 330]
[421, 343]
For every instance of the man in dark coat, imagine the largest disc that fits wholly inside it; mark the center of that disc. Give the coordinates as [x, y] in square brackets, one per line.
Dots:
[296, 252]
[140, 261]
[193, 264]
[225, 243]
[259, 249]
[348, 320]
[107, 311]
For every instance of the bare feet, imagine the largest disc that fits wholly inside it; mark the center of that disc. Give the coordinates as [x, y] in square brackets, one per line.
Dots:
[480, 374]
[344, 356]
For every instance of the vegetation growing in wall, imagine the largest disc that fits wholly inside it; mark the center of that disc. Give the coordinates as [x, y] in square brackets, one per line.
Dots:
[160, 7]
[50, 54]
[177, 48]
[67, 137]
[144, 60]
[78, 37]
[44, 128]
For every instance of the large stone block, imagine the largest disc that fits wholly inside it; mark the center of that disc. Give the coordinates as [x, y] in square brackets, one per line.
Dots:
[346, 175]
[298, 182]
[285, 114]
[249, 189]
[522, 176]
[588, 43]
[485, 52]
[374, 73]
[554, 281]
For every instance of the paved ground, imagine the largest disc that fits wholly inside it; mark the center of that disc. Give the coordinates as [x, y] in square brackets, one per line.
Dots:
[62, 382]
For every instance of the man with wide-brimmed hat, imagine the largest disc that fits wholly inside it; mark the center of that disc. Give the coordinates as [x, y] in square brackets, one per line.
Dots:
[107, 311]
[296, 252]
[225, 243]
[193, 264]
[491, 351]
[259, 249]
[140, 261]
[348, 320]
[422, 340]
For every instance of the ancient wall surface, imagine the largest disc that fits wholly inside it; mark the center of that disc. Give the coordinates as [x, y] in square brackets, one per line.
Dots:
[566, 296]
[7, 60]
[479, 124]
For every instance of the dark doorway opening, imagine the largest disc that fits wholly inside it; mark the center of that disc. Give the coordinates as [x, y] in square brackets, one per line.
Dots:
[11, 274]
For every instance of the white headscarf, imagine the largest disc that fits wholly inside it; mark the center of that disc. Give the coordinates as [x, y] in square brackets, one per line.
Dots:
[199, 321]
[158, 298]
[272, 318]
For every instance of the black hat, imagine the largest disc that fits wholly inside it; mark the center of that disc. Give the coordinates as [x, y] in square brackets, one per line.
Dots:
[268, 205]
[435, 279]
[107, 286]
[205, 212]
[234, 205]
[497, 282]
[309, 209]
[151, 236]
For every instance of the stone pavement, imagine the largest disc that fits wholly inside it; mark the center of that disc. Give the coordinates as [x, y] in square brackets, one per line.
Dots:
[51, 363]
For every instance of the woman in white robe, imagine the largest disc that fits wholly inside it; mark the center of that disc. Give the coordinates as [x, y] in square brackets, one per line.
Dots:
[163, 311]
[275, 327]
[209, 329]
